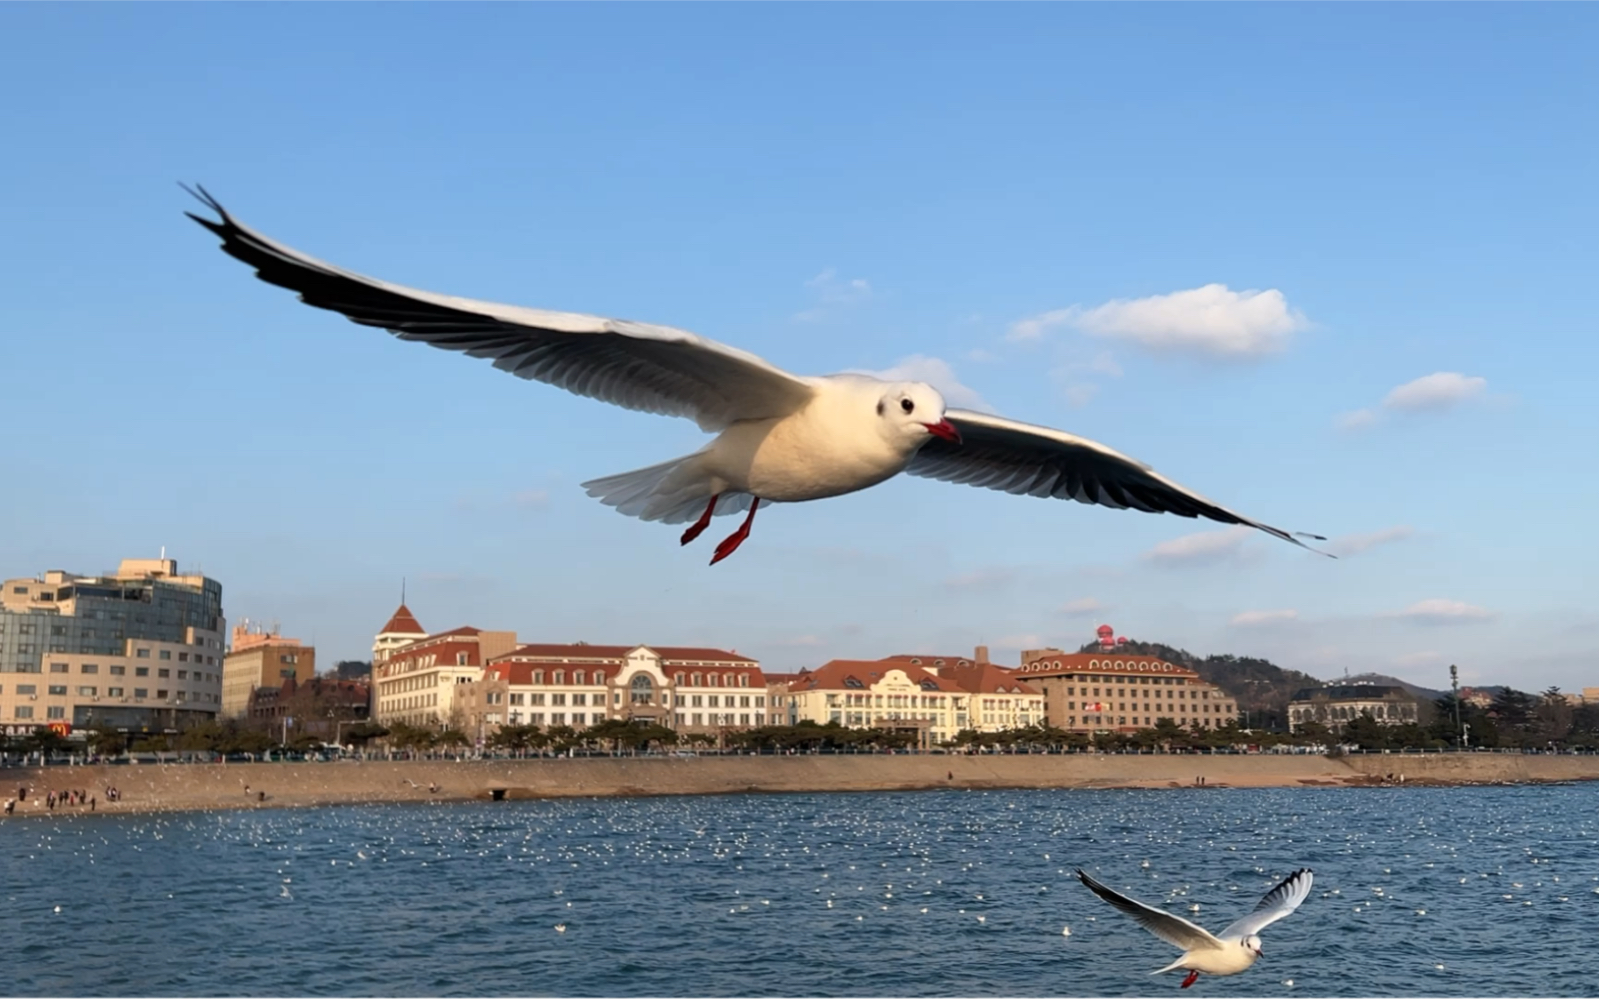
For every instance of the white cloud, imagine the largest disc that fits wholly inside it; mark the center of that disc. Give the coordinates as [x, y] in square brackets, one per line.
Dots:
[1432, 393]
[833, 292]
[1199, 549]
[1212, 319]
[532, 499]
[1418, 658]
[982, 579]
[1080, 394]
[1034, 327]
[1358, 419]
[1435, 391]
[1252, 618]
[1073, 376]
[1353, 544]
[1437, 611]
[1082, 607]
[938, 373]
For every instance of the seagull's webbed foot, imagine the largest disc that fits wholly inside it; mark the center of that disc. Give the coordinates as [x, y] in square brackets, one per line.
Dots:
[698, 527]
[1193, 976]
[730, 543]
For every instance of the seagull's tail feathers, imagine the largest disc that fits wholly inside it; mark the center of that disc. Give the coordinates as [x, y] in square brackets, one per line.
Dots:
[1174, 966]
[673, 492]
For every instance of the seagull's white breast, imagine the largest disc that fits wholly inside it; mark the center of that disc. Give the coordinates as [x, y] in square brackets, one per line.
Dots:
[831, 447]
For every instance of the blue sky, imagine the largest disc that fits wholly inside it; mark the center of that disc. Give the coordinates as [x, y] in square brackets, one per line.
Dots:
[1331, 266]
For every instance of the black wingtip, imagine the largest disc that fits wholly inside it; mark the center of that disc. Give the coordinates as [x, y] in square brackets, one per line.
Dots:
[200, 194]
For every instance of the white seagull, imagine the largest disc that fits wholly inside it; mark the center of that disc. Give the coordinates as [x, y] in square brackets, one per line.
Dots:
[782, 438]
[1234, 950]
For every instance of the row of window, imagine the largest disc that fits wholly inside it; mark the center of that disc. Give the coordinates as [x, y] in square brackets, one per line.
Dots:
[162, 672]
[1181, 694]
[1093, 721]
[1122, 706]
[139, 694]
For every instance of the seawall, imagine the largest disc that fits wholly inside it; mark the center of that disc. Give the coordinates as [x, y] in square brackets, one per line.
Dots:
[163, 787]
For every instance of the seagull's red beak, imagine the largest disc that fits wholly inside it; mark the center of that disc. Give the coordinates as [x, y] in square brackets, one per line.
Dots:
[944, 429]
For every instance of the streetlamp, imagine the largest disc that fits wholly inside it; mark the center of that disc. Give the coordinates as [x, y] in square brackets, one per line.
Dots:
[1454, 685]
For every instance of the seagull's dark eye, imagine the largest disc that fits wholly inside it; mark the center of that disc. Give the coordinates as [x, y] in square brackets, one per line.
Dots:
[907, 405]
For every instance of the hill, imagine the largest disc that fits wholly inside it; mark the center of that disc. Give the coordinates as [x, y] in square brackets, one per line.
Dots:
[1414, 690]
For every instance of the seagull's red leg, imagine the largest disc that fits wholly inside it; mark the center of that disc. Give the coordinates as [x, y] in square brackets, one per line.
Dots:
[1193, 976]
[730, 544]
[698, 527]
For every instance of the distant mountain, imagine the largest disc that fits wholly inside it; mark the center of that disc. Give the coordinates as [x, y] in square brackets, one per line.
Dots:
[1261, 687]
[1414, 690]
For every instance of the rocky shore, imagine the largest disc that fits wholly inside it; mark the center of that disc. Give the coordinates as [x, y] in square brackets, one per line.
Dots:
[178, 786]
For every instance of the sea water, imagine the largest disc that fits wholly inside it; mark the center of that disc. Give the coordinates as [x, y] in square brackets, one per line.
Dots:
[1419, 891]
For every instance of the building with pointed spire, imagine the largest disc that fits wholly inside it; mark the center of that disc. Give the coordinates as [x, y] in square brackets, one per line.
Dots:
[402, 629]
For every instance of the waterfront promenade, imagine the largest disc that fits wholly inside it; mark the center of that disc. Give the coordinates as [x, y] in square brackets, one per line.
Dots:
[181, 786]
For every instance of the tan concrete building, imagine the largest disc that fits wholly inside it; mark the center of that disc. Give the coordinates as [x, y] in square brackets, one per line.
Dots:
[1109, 691]
[138, 649]
[261, 658]
[416, 684]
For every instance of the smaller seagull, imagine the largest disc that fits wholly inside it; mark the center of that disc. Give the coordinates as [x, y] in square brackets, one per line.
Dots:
[1234, 950]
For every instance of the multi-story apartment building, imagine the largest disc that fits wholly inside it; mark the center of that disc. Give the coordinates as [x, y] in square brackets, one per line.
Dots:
[138, 649]
[260, 658]
[416, 683]
[1109, 691]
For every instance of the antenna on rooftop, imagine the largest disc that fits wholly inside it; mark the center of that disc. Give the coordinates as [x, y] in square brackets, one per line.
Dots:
[402, 591]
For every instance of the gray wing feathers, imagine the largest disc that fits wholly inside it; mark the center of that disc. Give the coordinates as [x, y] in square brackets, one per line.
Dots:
[655, 369]
[1175, 930]
[1281, 901]
[1014, 457]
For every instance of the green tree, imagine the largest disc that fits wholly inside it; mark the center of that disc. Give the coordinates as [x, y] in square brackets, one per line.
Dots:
[106, 741]
[363, 733]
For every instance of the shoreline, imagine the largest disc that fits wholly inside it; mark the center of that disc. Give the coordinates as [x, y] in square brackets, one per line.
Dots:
[179, 787]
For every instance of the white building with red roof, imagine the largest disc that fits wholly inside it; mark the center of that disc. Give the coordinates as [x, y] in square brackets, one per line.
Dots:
[686, 689]
[417, 683]
[403, 629]
[937, 696]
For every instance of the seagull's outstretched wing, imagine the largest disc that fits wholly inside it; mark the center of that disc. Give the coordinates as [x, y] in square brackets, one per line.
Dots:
[1014, 457]
[1274, 905]
[656, 369]
[1175, 930]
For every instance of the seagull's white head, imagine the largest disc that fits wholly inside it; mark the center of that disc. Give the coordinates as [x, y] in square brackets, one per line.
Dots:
[914, 411]
[1252, 942]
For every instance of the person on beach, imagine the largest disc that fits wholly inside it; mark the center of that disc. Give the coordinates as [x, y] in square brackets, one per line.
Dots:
[11, 805]
[91, 802]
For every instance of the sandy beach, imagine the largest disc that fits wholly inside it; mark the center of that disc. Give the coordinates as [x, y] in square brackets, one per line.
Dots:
[174, 787]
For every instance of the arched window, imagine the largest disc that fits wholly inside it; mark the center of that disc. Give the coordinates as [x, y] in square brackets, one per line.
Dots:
[642, 689]
[577, 677]
[560, 676]
[727, 679]
[743, 679]
[697, 679]
[538, 676]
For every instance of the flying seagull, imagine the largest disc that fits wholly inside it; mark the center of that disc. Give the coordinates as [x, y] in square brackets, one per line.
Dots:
[782, 438]
[1235, 950]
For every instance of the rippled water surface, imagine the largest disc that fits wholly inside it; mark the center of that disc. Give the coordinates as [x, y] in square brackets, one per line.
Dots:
[1448, 892]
